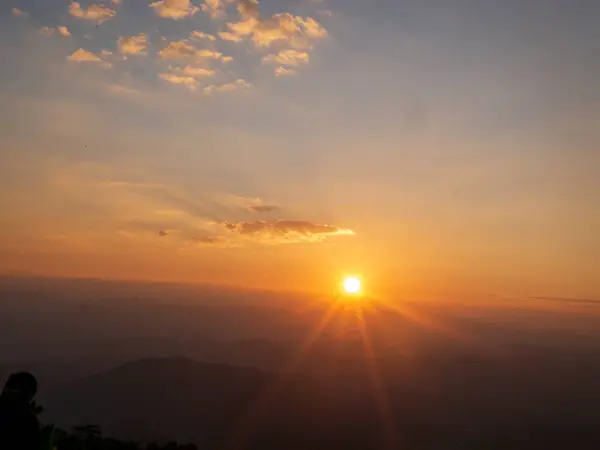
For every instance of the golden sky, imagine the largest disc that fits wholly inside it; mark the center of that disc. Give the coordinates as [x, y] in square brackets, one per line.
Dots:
[429, 147]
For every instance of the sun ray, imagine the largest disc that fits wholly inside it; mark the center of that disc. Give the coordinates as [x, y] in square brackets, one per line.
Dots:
[243, 429]
[379, 386]
[428, 322]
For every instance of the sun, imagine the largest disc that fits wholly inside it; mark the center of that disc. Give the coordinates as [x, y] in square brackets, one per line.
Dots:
[352, 285]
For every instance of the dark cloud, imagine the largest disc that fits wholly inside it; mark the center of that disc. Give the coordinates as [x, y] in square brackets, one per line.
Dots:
[263, 208]
[163, 233]
[286, 229]
[209, 240]
[567, 300]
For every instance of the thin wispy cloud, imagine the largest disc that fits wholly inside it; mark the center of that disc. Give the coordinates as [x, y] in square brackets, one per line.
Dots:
[60, 31]
[19, 12]
[289, 57]
[253, 204]
[166, 214]
[238, 85]
[284, 72]
[188, 76]
[286, 231]
[187, 81]
[263, 208]
[199, 72]
[202, 35]
[181, 50]
[46, 31]
[174, 9]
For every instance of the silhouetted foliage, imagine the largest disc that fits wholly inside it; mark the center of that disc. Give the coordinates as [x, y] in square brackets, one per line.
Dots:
[89, 437]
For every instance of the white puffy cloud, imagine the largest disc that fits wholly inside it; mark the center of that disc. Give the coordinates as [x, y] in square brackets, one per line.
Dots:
[263, 32]
[174, 9]
[239, 84]
[177, 50]
[93, 13]
[289, 57]
[63, 31]
[83, 56]
[187, 81]
[133, 45]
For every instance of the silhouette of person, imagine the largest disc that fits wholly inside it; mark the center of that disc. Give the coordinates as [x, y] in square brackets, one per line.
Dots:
[19, 426]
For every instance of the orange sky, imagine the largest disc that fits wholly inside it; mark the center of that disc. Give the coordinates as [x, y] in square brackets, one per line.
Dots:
[286, 145]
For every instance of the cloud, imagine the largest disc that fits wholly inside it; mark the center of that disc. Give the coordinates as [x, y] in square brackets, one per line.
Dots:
[133, 45]
[177, 50]
[215, 8]
[288, 57]
[46, 31]
[174, 9]
[325, 12]
[209, 240]
[293, 30]
[252, 204]
[63, 31]
[116, 2]
[189, 82]
[263, 208]
[212, 54]
[188, 76]
[284, 72]
[286, 231]
[202, 35]
[198, 72]
[93, 13]
[232, 37]
[19, 13]
[82, 55]
[239, 84]
[567, 300]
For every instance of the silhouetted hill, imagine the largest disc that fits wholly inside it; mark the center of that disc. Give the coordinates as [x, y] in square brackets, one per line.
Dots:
[469, 402]
[159, 398]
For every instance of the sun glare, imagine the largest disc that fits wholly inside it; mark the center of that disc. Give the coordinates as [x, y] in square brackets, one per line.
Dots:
[352, 285]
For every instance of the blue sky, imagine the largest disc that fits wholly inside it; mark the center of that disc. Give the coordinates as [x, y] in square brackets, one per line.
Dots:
[457, 141]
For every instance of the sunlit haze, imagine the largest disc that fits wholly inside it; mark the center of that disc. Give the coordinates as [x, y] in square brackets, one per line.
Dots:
[443, 148]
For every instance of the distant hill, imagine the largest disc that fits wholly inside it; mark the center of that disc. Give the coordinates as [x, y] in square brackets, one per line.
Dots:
[456, 402]
[162, 399]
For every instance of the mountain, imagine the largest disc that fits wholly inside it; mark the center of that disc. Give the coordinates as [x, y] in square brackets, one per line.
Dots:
[449, 401]
[162, 399]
